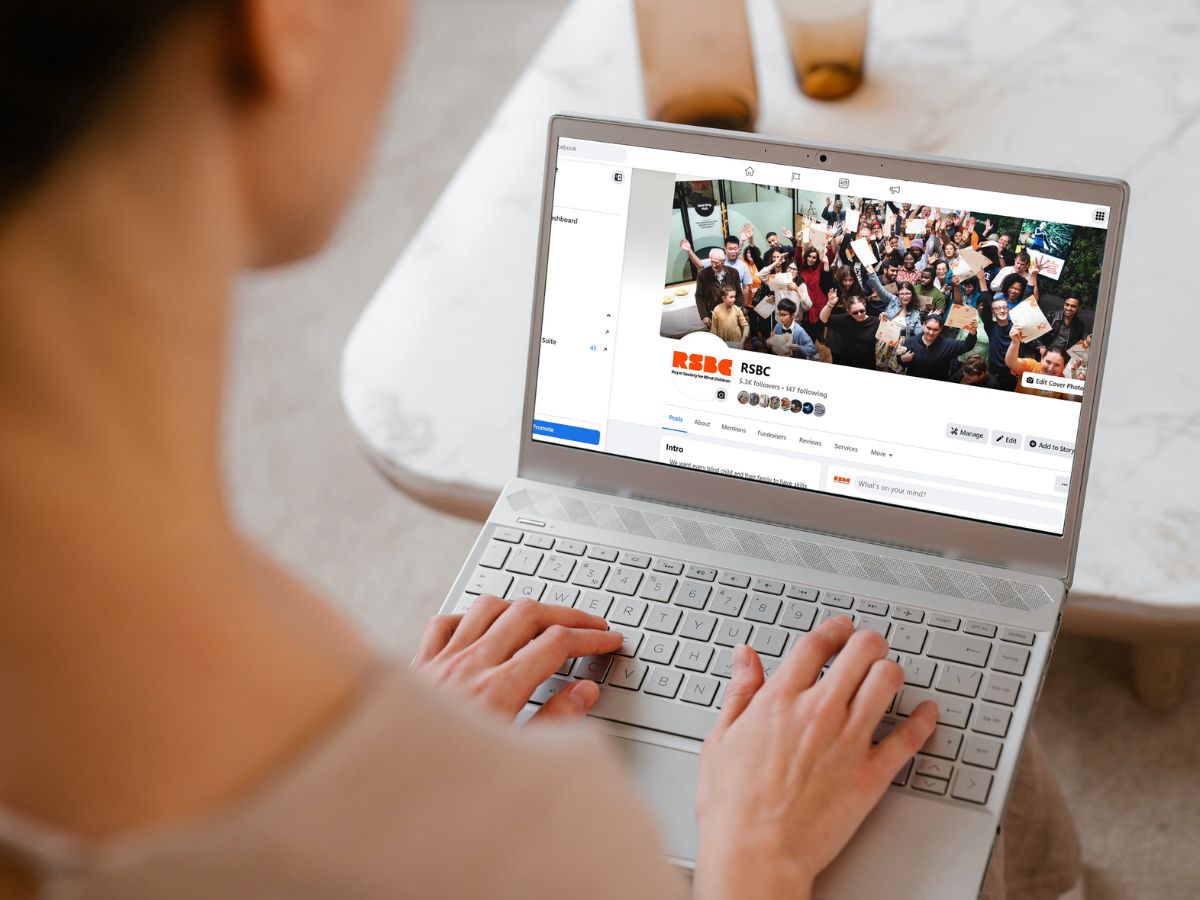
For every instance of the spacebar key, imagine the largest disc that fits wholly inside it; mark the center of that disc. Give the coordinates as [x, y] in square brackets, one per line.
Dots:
[648, 712]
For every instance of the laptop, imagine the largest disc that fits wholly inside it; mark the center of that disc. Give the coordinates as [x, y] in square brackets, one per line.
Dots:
[704, 468]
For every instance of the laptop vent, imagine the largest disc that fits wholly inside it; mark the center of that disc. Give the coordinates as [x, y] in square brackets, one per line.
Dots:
[878, 567]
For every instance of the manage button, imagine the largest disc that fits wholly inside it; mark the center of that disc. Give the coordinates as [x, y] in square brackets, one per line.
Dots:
[1048, 445]
[967, 433]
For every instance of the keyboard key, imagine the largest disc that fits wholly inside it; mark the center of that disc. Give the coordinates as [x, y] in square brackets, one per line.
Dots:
[526, 588]
[980, 629]
[624, 580]
[594, 602]
[959, 680]
[981, 751]
[593, 668]
[657, 587]
[992, 720]
[871, 607]
[941, 620]
[637, 560]
[565, 668]
[722, 667]
[1001, 689]
[628, 674]
[971, 785]
[627, 612]
[658, 649]
[769, 641]
[906, 614]
[798, 616]
[929, 785]
[884, 728]
[841, 601]
[549, 688]
[958, 648]
[902, 776]
[802, 592]
[700, 690]
[734, 579]
[768, 586]
[698, 626]
[664, 682]
[909, 638]
[590, 574]
[485, 581]
[701, 573]
[763, 609]
[727, 602]
[770, 664]
[494, 556]
[560, 595]
[731, 632]
[918, 671]
[1012, 660]
[692, 594]
[944, 742]
[952, 711]
[524, 561]
[633, 640]
[604, 554]
[875, 624]
[508, 535]
[664, 619]
[668, 566]
[934, 768]
[826, 614]
[557, 567]
[541, 541]
[694, 657]
[573, 548]
[1017, 636]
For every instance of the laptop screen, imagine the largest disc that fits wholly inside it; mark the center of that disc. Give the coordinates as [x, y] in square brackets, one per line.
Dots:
[912, 344]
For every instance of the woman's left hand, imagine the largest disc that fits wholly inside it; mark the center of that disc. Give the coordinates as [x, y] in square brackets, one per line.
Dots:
[499, 652]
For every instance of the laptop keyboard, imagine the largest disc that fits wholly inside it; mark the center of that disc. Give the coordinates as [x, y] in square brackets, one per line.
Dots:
[681, 621]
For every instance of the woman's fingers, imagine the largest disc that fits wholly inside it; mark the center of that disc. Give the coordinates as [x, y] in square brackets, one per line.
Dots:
[747, 678]
[875, 694]
[812, 651]
[437, 635]
[526, 619]
[479, 618]
[571, 702]
[906, 739]
[844, 677]
[542, 657]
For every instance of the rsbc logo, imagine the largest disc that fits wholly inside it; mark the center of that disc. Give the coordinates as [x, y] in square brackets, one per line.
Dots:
[698, 362]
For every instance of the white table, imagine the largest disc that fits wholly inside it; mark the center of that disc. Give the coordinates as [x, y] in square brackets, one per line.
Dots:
[1107, 87]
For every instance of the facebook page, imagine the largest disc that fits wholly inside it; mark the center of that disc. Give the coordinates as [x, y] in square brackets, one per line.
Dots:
[913, 344]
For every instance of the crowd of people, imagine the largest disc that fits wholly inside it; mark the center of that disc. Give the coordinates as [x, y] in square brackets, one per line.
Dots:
[923, 307]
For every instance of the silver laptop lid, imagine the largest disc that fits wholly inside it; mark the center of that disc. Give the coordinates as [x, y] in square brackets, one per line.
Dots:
[641, 384]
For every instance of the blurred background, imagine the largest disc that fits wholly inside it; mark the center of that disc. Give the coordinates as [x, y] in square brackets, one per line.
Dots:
[301, 485]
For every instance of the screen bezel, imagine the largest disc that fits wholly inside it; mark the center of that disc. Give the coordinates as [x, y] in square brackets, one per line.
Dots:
[813, 510]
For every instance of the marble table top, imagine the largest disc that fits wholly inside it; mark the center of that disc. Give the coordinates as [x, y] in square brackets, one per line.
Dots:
[1090, 85]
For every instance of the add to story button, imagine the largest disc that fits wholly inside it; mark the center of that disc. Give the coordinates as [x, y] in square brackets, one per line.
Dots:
[1050, 445]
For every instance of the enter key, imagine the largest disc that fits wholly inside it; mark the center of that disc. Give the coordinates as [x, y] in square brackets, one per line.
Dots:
[952, 711]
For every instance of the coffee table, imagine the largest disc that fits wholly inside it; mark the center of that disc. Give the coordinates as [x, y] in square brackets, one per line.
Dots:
[1000, 87]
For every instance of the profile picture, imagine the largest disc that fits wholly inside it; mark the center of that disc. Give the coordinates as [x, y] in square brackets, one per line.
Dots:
[774, 403]
[743, 397]
[754, 399]
[797, 406]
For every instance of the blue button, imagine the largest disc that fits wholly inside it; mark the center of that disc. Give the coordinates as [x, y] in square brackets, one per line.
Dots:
[566, 432]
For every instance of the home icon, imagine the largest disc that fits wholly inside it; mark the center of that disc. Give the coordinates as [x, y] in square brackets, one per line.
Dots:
[749, 171]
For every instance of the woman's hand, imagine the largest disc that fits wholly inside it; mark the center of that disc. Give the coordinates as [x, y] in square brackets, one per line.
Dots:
[499, 652]
[788, 772]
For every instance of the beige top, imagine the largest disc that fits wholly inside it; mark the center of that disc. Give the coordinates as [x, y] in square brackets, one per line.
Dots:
[410, 795]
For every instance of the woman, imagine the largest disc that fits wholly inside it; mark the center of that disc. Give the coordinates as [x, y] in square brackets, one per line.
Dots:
[181, 718]
[906, 307]
[814, 273]
[760, 325]
[908, 273]
[729, 322]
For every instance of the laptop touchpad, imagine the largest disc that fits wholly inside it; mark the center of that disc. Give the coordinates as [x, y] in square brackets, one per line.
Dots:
[666, 779]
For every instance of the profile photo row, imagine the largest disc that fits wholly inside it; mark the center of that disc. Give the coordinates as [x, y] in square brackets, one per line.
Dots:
[955, 295]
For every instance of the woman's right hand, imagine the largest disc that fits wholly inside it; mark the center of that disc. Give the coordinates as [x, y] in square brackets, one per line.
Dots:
[788, 772]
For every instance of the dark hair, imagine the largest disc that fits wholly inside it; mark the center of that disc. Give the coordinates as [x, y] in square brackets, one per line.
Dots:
[730, 239]
[974, 365]
[1011, 279]
[771, 234]
[1062, 354]
[729, 289]
[787, 306]
[61, 64]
